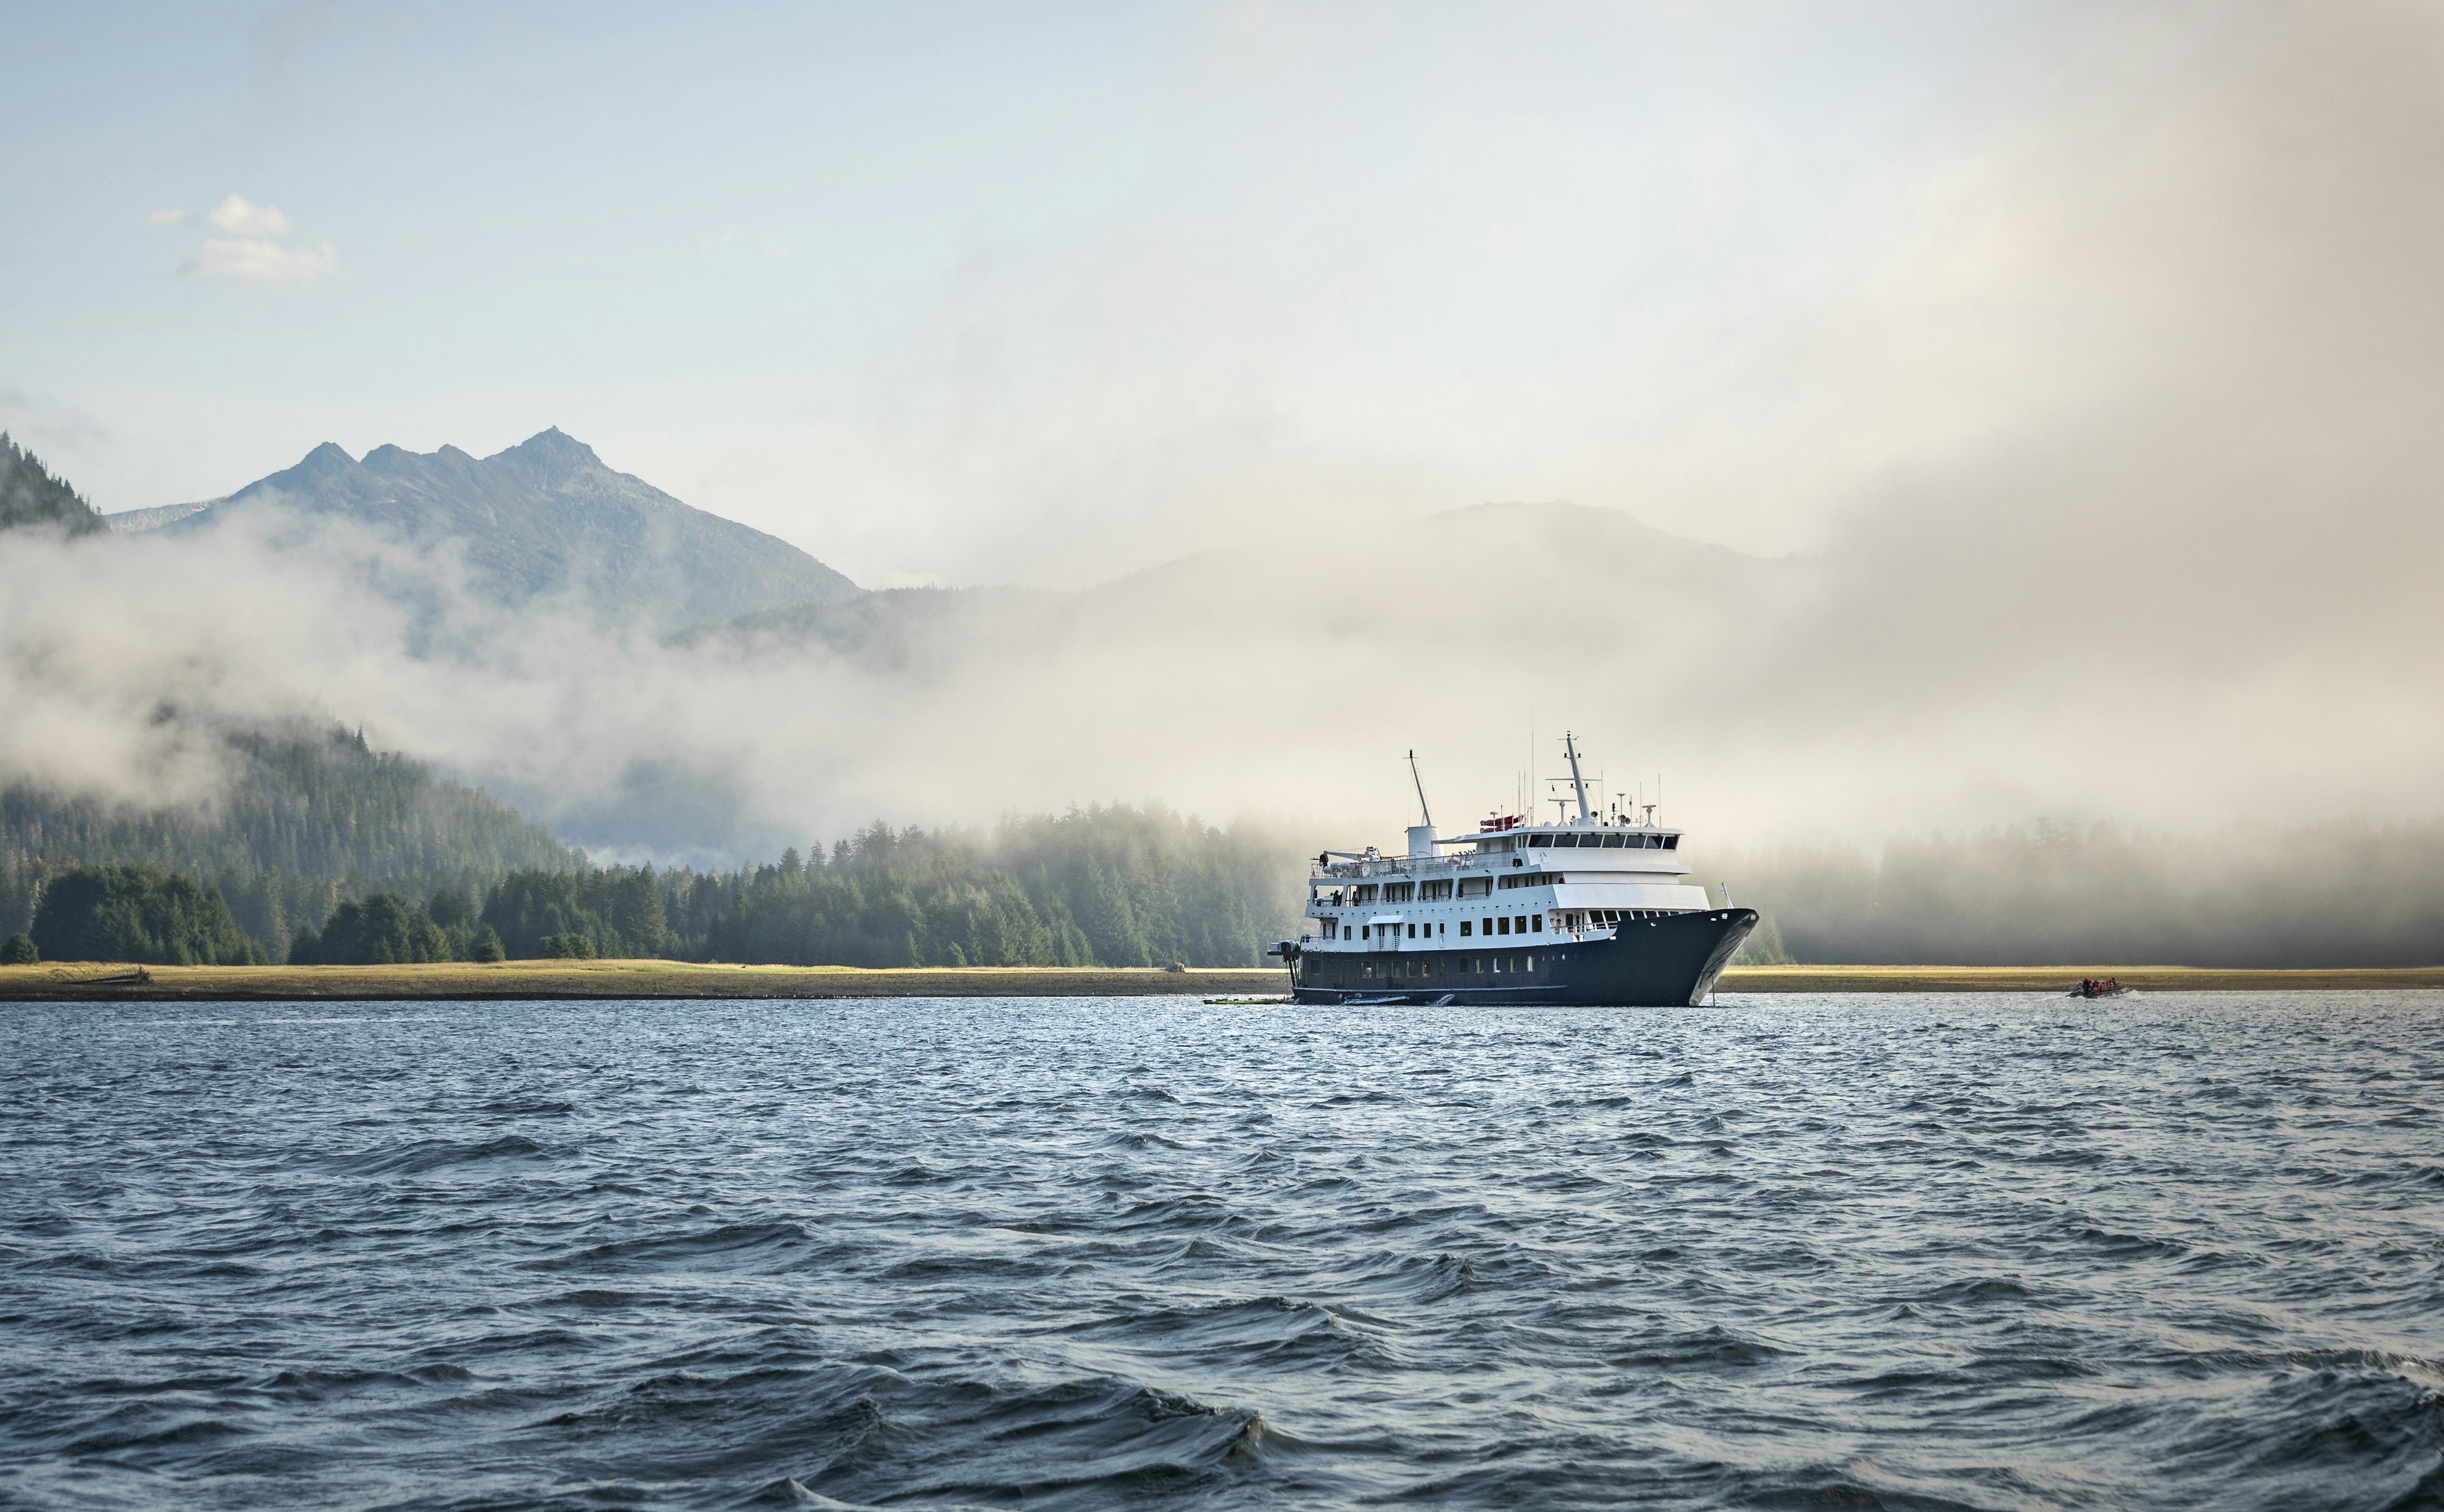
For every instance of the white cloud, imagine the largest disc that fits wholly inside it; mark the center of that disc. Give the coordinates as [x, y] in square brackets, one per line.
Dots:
[268, 261]
[170, 217]
[240, 216]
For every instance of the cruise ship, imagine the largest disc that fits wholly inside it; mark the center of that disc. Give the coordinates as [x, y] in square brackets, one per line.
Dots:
[1595, 909]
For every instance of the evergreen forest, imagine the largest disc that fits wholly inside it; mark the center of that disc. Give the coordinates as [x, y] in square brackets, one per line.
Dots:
[31, 497]
[323, 850]
[137, 914]
[304, 819]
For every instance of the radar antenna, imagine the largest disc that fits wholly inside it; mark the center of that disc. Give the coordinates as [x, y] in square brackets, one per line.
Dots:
[1426, 815]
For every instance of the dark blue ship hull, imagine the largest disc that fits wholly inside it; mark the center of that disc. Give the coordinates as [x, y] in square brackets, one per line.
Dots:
[1648, 963]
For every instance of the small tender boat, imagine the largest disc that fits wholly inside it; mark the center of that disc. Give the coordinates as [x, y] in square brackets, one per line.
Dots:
[2099, 988]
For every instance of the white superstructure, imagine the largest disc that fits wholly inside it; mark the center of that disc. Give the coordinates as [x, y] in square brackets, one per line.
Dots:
[1580, 878]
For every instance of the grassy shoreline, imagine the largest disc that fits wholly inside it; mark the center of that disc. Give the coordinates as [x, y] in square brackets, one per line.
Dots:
[654, 978]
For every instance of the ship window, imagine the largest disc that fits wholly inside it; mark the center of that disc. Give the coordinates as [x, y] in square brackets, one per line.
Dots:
[1671, 842]
[1413, 932]
[1538, 924]
[1488, 929]
[1614, 843]
[1463, 929]
[1537, 842]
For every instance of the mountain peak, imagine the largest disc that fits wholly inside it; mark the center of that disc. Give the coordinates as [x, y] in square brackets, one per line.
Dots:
[328, 457]
[546, 517]
[550, 456]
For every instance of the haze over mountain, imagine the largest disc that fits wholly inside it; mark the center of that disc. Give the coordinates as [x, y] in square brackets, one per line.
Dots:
[543, 518]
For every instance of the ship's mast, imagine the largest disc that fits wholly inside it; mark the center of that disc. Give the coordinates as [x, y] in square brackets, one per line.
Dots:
[1577, 784]
[1425, 815]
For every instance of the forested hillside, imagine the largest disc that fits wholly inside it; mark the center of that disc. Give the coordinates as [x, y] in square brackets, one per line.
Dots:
[30, 496]
[304, 819]
[1117, 886]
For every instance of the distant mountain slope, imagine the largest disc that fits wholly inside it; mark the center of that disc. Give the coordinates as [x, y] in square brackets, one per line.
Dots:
[546, 516]
[305, 816]
[136, 522]
[1585, 576]
[31, 497]
[890, 630]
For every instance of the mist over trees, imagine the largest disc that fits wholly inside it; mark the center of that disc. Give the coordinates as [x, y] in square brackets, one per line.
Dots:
[2340, 893]
[1099, 886]
[303, 819]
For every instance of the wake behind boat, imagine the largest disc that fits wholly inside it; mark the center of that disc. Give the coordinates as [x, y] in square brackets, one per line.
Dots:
[1591, 910]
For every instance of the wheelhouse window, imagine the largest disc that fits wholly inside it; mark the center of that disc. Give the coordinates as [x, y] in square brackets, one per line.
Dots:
[1538, 843]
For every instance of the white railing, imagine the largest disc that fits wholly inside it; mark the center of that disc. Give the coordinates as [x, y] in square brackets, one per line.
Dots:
[1390, 866]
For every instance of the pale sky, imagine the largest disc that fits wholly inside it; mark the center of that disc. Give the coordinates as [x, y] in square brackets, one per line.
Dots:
[1013, 293]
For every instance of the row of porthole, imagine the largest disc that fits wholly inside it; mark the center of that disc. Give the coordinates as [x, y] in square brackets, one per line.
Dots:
[1527, 924]
[1519, 963]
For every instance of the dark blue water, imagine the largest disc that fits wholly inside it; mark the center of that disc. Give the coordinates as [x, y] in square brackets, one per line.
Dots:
[1909, 1253]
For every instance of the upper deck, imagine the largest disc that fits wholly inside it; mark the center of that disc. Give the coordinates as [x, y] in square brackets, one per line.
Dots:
[1589, 846]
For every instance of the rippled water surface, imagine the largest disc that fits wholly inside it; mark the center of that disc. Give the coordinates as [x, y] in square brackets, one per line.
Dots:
[1857, 1251]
